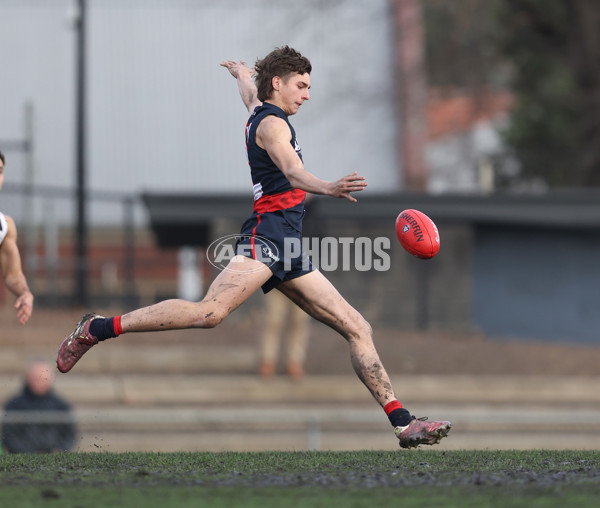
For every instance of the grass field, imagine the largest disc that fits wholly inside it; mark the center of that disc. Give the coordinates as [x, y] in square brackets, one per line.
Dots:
[416, 478]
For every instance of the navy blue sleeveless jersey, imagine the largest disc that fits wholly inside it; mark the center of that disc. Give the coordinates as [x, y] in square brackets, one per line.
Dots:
[278, 210]
[272, 190]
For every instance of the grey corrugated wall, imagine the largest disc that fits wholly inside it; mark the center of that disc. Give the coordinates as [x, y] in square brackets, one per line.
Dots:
[164, 116]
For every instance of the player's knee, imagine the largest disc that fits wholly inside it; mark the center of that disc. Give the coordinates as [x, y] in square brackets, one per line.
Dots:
[360, 329]
[212, 319]
[208, 316]
[366, 329]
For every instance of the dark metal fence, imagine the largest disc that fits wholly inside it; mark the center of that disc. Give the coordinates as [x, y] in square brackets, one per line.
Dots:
[47, 245]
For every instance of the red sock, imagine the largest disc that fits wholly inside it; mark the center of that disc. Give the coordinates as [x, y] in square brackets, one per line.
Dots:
[390, 406]
[117, 326]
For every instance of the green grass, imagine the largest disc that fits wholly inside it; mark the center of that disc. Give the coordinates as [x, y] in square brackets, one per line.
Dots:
[421, 478]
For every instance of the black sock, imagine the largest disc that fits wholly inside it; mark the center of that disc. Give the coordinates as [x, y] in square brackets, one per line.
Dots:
[103, 328]
[400, 417]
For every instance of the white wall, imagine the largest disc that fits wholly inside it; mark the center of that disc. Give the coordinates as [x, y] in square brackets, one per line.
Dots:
[462, 162]
[163, 116]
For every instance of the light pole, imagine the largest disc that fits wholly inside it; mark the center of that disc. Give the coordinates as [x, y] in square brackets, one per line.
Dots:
[81, 289]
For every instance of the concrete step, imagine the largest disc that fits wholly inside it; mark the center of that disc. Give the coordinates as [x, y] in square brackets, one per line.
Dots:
[184, 389]
[313, 428]
[244, 413]
[339, 440]
[469, 417]
[151, 359]
[301, 427]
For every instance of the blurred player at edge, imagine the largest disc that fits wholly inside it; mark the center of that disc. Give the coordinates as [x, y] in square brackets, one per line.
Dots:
[10, 262]
[280, 183]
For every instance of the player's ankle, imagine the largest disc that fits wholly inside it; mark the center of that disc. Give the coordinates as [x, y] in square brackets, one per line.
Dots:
[106, 328]
[398, 415]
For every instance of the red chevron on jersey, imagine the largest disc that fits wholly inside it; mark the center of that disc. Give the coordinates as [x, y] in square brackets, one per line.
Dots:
[281, 201]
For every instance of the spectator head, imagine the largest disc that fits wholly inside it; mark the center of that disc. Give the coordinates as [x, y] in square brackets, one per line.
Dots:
[39, 378]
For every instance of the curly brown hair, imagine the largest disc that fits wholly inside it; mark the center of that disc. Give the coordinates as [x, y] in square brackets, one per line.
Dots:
[2, 157]
[280, 62]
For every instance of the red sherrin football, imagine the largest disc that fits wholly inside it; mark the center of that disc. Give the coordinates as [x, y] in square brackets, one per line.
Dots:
[418, 234]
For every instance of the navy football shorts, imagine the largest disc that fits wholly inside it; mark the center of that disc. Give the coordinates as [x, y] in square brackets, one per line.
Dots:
[271, 239]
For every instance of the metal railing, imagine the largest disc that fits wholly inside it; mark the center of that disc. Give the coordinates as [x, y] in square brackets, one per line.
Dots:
[41, 241]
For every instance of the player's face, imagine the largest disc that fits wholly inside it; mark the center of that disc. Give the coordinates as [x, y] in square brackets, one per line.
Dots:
[293, 91]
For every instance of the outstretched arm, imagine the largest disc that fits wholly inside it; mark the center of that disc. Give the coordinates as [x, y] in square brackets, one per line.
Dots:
[243, 74]
[10, 263]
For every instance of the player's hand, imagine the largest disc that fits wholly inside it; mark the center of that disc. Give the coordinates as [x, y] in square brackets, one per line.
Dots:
[347, 184]
[238, 69]
[24, 306]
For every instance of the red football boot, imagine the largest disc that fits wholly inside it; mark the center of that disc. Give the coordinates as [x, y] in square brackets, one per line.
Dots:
[419, 431]
[76, 344]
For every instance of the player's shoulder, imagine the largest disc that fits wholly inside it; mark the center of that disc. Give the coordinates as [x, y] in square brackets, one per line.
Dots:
[273, 121]
[272, 127]
[9, 220]
[264, 111]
